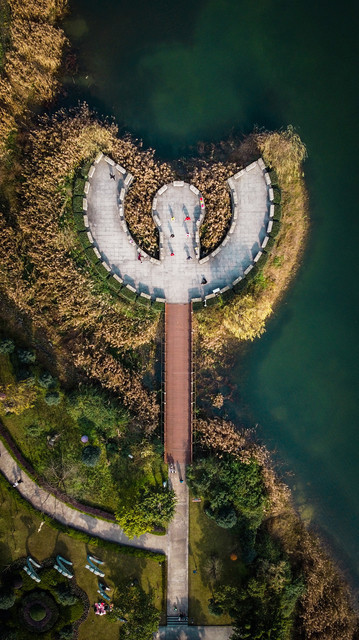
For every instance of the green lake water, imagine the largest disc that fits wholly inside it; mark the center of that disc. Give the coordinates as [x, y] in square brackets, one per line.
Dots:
[176, 73]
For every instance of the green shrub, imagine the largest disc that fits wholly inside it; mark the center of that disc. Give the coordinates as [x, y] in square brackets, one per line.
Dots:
[8, 634]
[34, 430]
[46, 381]
[100, 269]
[52, 399]
[277, 212]
[227, 295]
[77, 204]
[86, 168]
[82, 236]
[26, 357]
[79, 187]
[277, 196]
[64, 595]
[211, 302]
[145, 302]
[91, 455]
[115, 284]
[91, 255]
[275, 228]
[261, 262]
[6, 346]
[197, 306]
[7, 599]
[273, 176]
[128, 295]
[79, 222]
[66, 633]
[214, 608]
[158, 306]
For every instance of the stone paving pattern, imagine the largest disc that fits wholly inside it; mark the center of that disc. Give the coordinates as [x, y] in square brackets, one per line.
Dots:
[176, 278]
[177, 550]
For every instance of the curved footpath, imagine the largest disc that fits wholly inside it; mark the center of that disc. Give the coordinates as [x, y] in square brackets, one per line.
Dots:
[47, 503]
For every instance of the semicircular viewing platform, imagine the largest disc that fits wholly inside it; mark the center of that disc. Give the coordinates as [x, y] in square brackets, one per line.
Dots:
[178, 211]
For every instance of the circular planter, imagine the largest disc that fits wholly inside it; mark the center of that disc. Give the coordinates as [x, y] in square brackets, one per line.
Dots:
[39, 611]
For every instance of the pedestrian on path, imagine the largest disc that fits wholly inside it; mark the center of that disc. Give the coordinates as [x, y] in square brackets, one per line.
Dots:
[172, 254]
[189, 258]
[112, 175]
[173, 218]
[187, 218]
[17, 482]
[172, 235]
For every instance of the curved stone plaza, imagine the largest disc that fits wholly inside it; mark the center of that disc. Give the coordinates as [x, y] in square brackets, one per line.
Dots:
[178, 211]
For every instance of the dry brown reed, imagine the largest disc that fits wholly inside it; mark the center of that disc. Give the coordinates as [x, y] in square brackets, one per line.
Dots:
[46, 283]
[245, 316]
[32, 62]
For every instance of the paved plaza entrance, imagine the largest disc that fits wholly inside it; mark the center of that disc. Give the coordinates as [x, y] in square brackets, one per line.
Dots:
[179, 275]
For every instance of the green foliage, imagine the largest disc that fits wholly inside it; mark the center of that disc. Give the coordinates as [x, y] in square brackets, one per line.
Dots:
[83, 237]
[96, 412]
[46, 380]
[128, 294]
[8, 634]
[91, 256]
[224, 516]
[7, 599]
[277, 212]
[230, 487]
[276, 195]
[150, 508]
[79, 187]
[91, 455]
[66, 633]
[101, 270]
[77, 204]
[64, 594]
[7, 346]
[26, 357]
[79, 222]
[53, 399]
[133, 606]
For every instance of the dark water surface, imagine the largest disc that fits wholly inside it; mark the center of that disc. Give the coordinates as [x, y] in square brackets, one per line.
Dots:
[174, 73]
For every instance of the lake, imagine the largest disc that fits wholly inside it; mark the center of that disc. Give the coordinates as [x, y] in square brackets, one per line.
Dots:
[176, 73]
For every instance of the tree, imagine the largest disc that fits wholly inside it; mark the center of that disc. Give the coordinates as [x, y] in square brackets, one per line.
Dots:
[151, 507]
[53, 399]
[135, 607]
[26, 357]
[7, 346]
[7, 599]
[91, 455]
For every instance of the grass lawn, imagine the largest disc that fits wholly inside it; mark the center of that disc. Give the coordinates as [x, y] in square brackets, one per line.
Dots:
[20, 536]
[207, 539]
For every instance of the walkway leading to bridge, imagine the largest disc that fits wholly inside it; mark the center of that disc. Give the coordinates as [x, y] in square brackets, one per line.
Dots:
[178, 370]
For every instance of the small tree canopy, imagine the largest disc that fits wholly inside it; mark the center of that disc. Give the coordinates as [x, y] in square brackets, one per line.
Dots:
[91, 455]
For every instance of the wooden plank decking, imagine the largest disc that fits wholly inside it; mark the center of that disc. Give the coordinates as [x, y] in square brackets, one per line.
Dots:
[178, 369]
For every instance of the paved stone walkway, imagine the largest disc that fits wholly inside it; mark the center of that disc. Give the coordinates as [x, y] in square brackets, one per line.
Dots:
[175, 278]
[194, 633]
[177, 550]
[47, 503]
